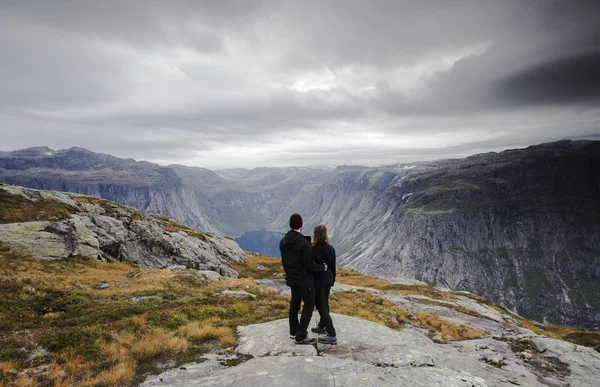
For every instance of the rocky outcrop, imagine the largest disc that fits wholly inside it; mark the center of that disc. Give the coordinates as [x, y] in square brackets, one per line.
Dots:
[369, 354]
[103, 230]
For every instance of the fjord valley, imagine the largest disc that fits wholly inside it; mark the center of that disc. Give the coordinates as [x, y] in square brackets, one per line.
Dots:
[520, 227]
[93, 293]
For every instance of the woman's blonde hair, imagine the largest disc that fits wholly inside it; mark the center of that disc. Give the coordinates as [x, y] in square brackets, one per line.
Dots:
[320, 234]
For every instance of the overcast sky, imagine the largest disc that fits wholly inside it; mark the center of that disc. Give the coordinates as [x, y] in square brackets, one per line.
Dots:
[278, 83]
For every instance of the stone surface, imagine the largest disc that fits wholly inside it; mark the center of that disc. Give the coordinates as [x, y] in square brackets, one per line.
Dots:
[483, 310]
[176, 267]
[101, 285]
[369, 354]
[210, 275]
[188, 372]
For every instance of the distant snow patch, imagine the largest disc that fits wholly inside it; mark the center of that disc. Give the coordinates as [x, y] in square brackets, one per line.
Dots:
[407, 167]
[48, 153]
[406, 195]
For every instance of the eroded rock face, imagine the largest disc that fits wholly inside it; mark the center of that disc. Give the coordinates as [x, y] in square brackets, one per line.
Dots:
[116, 232]
[369, 354]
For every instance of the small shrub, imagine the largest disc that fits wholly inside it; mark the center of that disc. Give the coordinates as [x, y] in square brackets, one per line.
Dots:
[113, 351]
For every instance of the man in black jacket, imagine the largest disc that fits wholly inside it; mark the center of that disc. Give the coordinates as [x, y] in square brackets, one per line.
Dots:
[299, 266]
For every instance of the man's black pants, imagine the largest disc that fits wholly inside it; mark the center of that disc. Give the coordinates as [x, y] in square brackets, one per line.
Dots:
[300, 294]
[322, 303]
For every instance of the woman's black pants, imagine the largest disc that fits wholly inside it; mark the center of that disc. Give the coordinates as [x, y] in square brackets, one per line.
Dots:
[322, 304]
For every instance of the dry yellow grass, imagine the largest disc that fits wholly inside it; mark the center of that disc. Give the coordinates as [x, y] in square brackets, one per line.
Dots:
[248, 268]
[158, 342]
[56, 373]
[121, 373]
[114, 351]
[81, 276]
[75, 365]
[24, 381]
[208, 330]
[371, 307]
[350, 277]
[7, 367]
[442, 330]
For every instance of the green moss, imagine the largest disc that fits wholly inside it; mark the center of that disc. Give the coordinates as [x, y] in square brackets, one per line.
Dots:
[83, 341]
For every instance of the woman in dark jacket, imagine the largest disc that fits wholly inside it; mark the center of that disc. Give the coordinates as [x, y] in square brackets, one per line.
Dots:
[324, 253]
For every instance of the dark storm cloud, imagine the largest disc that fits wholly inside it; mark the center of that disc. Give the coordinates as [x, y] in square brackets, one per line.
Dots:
[566, 80]
[242, 83]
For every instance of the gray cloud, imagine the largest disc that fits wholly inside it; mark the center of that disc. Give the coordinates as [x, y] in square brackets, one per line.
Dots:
[249, 83]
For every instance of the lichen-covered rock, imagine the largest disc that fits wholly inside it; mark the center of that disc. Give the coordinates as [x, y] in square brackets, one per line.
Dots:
[32, 238]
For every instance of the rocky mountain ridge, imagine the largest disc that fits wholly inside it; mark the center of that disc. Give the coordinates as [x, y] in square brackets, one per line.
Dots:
[51, 225]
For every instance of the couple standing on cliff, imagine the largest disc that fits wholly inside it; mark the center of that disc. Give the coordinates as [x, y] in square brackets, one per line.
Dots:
[310, 273]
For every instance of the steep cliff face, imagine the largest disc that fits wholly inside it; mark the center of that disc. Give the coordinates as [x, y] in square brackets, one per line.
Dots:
[521, 227]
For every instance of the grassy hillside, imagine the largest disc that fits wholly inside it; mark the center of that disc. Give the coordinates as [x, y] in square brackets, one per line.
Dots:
[57, 328]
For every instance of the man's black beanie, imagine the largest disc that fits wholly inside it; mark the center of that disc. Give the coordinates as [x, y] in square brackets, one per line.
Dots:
[296, 222]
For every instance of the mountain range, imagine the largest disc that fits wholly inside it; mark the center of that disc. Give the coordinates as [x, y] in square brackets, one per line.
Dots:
[520, 227]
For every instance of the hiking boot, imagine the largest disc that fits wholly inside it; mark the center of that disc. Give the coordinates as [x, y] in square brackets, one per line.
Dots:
[318, 330]
[292, 335]
[328, 340]
[306, 340]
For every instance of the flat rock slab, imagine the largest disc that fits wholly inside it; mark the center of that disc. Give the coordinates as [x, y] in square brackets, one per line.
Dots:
[184, 374]
[273, 340]
[369, 354]
[310, 371]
